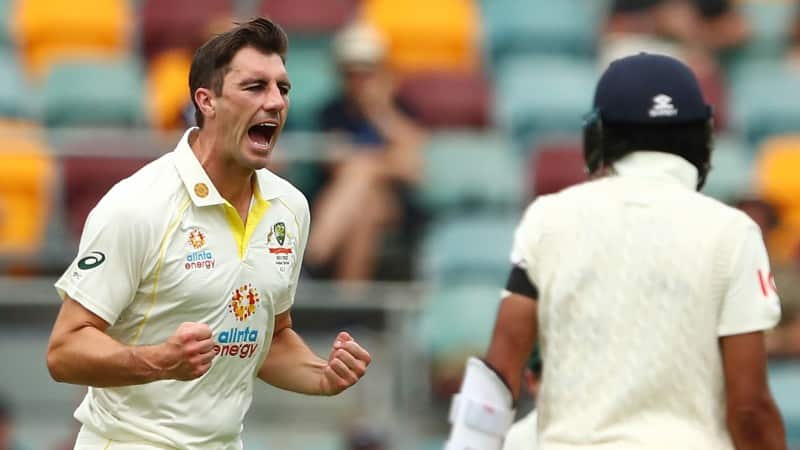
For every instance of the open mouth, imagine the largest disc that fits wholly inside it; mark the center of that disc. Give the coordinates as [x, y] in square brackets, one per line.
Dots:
[261, 133]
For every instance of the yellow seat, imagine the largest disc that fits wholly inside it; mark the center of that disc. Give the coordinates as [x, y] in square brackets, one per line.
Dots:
[51, 30]
[169, 92]
[427, 35]
[777, 170]
[778, 182]
[783, 242]
[26, 176]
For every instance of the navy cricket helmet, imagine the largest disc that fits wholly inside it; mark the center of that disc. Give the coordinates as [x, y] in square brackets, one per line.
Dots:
[646, 92]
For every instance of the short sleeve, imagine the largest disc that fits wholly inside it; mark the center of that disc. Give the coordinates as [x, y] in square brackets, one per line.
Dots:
[751, 300]
[526, 236]
[105, 275]
[303, 221]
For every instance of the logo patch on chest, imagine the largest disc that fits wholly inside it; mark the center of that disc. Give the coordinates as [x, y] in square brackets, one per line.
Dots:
[198, 259]
[244, 302]
[281, 243]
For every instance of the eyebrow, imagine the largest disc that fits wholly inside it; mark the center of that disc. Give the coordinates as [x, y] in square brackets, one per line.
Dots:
[259, 80]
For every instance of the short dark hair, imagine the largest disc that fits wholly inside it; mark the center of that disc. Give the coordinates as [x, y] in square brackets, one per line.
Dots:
[211, 61]
[691, 141]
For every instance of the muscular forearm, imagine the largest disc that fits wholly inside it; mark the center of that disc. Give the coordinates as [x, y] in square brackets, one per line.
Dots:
[512, 340]
[92, 358]
[292, 365]
[757, 429]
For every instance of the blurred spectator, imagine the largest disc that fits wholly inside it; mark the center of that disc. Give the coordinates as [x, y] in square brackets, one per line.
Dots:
[7, 441]
[366, 187]
[710, 24]
[691, 30]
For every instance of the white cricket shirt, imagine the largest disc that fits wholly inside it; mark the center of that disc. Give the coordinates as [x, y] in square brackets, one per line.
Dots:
[522, 434]
[163, 247]
[638, 277]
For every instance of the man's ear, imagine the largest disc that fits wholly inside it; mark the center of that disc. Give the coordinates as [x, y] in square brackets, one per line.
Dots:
[205, 100]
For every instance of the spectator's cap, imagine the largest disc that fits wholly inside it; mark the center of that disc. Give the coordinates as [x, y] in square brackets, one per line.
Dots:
[359, 44]
[649, 89]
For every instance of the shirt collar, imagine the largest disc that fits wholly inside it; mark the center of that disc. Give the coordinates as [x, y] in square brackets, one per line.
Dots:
[662, 165]
[199, 186]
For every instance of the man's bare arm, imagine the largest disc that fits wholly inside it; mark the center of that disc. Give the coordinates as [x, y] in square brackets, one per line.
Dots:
[80, 352]
[514, 334]
[293, 366]
[753, 419]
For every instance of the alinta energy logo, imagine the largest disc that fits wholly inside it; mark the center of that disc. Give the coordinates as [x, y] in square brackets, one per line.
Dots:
[241, 342]
[244, 301]
[199, 258]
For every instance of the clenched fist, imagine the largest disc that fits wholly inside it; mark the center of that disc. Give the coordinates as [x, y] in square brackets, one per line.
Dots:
[347, 363]
[188, 353]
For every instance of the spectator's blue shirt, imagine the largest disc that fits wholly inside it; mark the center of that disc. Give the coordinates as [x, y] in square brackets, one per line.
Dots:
[341, 114]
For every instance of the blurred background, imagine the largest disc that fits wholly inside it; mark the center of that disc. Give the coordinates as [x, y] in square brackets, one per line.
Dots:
[418, 129]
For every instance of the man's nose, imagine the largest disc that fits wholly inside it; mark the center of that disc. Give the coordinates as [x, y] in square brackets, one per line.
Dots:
[274, 100]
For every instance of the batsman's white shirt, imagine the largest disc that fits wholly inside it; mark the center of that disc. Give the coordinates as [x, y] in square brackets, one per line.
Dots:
[638, 277]
[522, 434]
[163, 247]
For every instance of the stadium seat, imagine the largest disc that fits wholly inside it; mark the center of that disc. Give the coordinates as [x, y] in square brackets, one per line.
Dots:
[50, 31]
[448, 99]
[778, 166]
[468, 248]
[555, 165]
[777, 181]
[770, 23]
[16, 99]
[731, 175]
[6, 39]
[537, 96]
[309, 16]
[181, 23]
[784, 381]
[167, 79]
[27, 171]
[467, 309]
[425, 35]
[760, 104]
[87, 179]
[312, 71]
[469, 170]
[456, 321]
[93, 93]
[567, 27]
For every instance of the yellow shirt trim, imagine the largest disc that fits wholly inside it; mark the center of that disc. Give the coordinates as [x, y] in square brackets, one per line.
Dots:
[164, 245]
[296, 222]
[243, 232]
